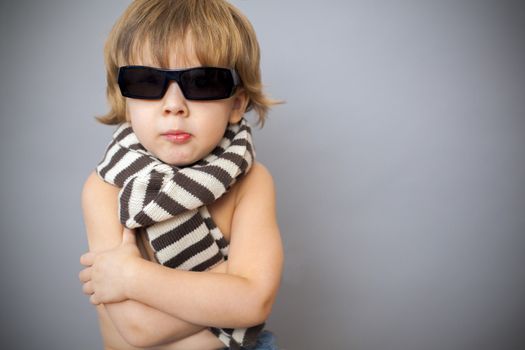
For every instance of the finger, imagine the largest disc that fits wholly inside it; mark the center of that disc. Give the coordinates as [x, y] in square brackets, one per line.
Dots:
[85, 275]
[87, 259]
[128, 236]
[87, 288]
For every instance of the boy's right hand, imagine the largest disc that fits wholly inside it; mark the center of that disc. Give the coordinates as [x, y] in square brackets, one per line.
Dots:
[104, 277]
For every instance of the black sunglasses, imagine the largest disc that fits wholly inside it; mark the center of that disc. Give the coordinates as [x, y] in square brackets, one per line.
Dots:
[200, 83]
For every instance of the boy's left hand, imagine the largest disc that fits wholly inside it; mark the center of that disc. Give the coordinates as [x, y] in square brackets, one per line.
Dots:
[106, 273]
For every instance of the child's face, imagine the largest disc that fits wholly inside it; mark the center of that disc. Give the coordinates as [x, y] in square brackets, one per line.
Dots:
[179, 131]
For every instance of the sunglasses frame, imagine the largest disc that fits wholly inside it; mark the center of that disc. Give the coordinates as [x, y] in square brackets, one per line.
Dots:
[174, 75]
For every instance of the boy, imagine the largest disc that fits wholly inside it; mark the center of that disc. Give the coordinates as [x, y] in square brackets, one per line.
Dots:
[180, 170]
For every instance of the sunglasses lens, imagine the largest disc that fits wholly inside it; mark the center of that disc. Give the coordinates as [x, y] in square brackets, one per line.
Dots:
[141, 82]
[207, 83]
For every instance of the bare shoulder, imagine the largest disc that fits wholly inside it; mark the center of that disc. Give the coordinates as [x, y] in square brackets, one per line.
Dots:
[258, 179]
[98, 198]
[254, 218]
[94, 188]
[259, 172]
[100, 210]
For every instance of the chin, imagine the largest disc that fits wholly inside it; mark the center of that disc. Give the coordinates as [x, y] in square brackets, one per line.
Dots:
[178, 161]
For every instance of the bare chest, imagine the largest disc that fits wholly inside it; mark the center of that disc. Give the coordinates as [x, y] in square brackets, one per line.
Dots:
[221, 212]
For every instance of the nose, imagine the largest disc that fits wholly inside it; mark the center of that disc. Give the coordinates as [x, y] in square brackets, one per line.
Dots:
[174, 102]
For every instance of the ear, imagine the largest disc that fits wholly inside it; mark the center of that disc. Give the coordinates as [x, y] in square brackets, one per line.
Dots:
[240, 102]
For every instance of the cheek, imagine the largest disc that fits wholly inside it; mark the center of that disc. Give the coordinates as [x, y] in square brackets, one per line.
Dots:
[218, 111]
[136, 115]
[133, 112]
[139, 115]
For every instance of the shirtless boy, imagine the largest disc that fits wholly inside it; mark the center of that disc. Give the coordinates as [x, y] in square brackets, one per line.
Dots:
[181, 74]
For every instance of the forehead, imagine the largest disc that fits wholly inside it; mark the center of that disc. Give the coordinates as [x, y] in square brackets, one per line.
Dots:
[173, 55]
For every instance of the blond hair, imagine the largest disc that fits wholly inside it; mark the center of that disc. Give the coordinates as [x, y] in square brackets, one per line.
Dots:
[220, 35]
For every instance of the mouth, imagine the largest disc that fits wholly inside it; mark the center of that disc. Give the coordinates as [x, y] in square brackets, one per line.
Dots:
[177, 136]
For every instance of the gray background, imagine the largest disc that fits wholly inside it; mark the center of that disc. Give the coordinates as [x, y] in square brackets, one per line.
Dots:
[398, 160]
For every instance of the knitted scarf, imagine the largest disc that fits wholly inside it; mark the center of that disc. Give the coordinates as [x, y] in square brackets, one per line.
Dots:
[169, 203]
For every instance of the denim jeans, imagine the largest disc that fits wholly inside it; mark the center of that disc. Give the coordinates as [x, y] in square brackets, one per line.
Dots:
[265, 341]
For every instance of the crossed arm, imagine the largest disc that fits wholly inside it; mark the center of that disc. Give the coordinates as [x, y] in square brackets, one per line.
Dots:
[150, 304]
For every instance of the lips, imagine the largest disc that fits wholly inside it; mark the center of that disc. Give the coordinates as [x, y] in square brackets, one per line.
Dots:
[177, 136]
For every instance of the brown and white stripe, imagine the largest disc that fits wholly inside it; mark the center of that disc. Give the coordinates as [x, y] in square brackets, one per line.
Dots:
[169, 203]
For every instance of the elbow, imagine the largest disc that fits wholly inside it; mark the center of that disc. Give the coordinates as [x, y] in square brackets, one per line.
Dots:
[259, 312]
[258, 303]
[265, 309]
[259, 316]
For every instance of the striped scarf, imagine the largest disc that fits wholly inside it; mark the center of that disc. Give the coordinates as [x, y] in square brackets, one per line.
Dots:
[170, 203]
